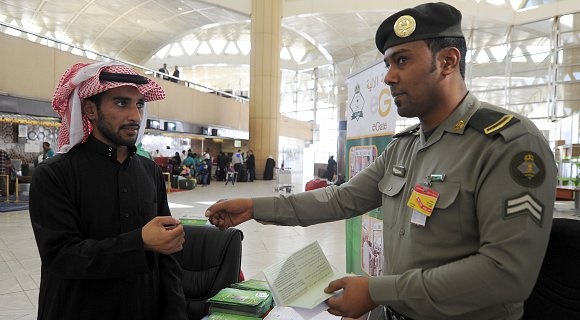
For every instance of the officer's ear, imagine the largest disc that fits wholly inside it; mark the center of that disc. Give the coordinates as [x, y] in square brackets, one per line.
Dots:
[449, 60]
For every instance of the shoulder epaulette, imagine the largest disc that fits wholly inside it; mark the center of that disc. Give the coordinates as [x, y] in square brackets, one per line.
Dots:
[410, 130]
[490, 122]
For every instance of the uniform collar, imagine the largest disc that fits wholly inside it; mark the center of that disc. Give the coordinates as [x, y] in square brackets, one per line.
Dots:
[456, 122]
[106, 150]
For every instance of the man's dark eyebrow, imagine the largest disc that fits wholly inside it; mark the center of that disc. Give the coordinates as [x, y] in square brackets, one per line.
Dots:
[126, 98]
[398, 52]
[120, 98]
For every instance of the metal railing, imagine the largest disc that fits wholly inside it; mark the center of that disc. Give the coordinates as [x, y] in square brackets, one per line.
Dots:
[68, 47]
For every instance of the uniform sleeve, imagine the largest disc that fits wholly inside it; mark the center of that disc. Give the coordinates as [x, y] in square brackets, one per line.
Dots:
[514, 201]
[63, 251]
[355, 197]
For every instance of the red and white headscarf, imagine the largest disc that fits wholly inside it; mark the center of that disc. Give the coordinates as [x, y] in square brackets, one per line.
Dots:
[81, 81]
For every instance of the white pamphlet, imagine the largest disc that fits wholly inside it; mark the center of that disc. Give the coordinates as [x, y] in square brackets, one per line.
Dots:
[299, 280]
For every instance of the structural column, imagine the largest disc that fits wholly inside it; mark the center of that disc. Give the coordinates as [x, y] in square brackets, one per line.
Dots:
[265, 81]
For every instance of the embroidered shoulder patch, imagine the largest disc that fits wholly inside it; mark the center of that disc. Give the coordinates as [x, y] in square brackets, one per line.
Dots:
[527, 169]
[525, 204]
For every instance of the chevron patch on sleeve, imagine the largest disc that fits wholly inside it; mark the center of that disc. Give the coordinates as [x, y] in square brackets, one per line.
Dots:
[525, 204]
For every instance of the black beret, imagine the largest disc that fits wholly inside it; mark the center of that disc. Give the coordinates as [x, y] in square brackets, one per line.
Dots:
[425, 21]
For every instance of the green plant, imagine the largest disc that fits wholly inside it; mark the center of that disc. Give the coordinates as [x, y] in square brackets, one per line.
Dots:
[564, 181]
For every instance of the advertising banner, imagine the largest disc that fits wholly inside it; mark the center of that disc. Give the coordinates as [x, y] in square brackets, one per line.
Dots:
[370, 110]
[371, 117]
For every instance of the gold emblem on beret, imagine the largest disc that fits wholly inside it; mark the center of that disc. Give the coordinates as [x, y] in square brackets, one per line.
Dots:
[405, 26]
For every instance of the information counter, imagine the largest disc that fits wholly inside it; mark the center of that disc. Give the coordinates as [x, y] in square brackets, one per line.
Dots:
[569, 193]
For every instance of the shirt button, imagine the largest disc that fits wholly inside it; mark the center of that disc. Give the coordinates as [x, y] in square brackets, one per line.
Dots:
[390, 188]
[124, 190]
[126, 215]
[402, 232]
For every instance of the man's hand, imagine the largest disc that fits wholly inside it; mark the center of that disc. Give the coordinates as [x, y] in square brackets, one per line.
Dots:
[163, 234]
[355, 299]
[228, 213]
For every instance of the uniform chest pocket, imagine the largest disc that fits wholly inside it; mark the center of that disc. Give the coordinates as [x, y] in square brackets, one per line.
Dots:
[444, 226]
[448, 192]
[392, 189]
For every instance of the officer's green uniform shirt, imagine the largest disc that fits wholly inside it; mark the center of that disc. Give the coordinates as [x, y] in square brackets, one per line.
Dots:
[480, 251]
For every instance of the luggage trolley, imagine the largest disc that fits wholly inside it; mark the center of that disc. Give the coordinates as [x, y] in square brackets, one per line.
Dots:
[284, 181]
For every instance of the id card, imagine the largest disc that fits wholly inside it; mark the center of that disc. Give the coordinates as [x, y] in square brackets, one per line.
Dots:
[423, 199]
[418, 218]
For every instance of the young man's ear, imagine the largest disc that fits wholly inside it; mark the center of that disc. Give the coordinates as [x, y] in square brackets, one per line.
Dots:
[89, 109]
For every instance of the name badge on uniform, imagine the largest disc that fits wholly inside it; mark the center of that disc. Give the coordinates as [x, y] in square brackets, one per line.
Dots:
[399, 171]
[423, 199]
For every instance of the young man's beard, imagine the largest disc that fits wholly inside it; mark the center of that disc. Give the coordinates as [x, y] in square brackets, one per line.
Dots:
[108, 133]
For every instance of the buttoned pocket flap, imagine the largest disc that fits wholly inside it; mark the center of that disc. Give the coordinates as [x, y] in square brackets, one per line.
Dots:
[391, 185]
[448, 192]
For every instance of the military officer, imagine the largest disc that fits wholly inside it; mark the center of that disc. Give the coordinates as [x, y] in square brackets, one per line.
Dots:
[467, 194]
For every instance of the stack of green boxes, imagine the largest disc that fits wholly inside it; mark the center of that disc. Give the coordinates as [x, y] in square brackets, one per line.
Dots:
[247, 300]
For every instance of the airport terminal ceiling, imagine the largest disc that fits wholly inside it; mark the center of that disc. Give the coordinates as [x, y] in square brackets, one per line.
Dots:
[199, 36]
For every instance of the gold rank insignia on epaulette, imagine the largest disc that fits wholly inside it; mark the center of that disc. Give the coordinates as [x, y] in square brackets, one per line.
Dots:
[491, 122]
[410, 130]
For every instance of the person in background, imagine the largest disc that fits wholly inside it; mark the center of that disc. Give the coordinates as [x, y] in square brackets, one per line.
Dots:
[467, 195]
[5, 171]
[175, 75]
[331, 168]
[269, 168]
[197, 159]
[251, 166]
[222, 162]
[231, 174]
[142, 152]
[207, 159]
[99, 213]
[47, 151]
[189, 161]
[175, 162]
[238, 162]
[164, 72]
[202, 173]
[176, 159]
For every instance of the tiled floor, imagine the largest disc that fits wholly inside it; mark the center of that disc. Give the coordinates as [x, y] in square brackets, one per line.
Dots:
[262, 245]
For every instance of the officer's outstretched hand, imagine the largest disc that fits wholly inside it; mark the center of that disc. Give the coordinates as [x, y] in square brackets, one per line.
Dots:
[228, 213]
[354, 300]
[163, 234]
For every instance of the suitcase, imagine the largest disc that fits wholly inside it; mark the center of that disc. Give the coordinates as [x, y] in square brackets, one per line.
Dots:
[174, 181]
[243, 175]
[186, 184]
[316, 184]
